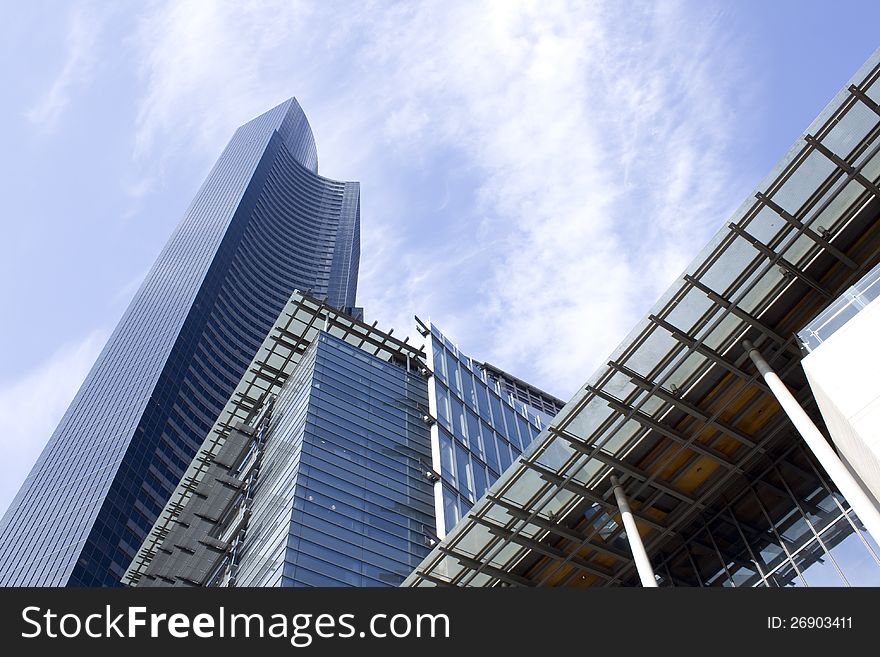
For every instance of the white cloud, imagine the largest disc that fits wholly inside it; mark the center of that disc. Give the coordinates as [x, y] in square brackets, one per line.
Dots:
[83, 29]
[123, 296]
[32, 406]
[206, 65]
[586, 145]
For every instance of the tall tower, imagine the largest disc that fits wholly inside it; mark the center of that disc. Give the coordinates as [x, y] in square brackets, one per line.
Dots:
[343, 456]
[263, 224]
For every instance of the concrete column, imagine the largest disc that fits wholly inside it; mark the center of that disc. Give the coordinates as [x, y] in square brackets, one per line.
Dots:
[864, 507]
[643, 565]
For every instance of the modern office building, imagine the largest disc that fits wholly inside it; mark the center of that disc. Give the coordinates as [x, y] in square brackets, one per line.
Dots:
[263, 224]
[331, 465]
[696, 456]
[842, 365]
[485, 417]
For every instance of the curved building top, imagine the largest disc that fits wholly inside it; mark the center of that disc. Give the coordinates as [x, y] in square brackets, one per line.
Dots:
[292, 125]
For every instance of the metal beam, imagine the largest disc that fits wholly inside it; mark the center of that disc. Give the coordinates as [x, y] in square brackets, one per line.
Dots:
[748, 318]
[843, 165]
[694, 345]
[858, 93]
[490, 570]
[632, 470]
[806, 230]
[542, 548]
[665, 430]
[681, 404]
[586, 493]
[556, 528]
[776, 258]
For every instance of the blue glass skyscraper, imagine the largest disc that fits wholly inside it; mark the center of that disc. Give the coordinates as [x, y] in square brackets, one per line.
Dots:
[343, 456]
[346, 441]
[263, 224]
[486, 418]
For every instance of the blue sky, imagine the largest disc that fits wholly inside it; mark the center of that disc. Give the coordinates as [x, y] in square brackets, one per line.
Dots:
[533, 175]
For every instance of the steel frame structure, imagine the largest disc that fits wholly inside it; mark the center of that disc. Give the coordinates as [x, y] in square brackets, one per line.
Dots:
[678, 411]
[297, 326]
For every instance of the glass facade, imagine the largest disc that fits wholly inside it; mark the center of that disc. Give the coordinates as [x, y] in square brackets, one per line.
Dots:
[262, 224]
[788, 526]
[844, 308]
[323, 469]
[342, 498]
[481, 428]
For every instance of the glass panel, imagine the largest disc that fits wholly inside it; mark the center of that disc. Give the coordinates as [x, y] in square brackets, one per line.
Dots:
[512, 433]
[439, 361]
[872, 544]
[652, 351]
[816, 568]
[765, 225]
[525, 487]
[525, 431]
[762, 540]
[830, 218]
[458, 421]
[686, 313]
[585, 423]
[483, 401]
[742, 570]
[450, 509]
[729, 266]
[490, 450]
[443, 406]
[505, 555]
[706, 559]
[446, 459]
[467, 387]
[473, 433]
[480, 481]
[852, 556]
[555, 454]
[587, 471]
[803, 182]
[504, 456]
[497, 416]
[448, 568]
[684, 373]
[463, 472]
[614, 443]
[850, 129]
[559, 501]
[452, 373]
[473, 540]
[721, 335]
[480, 579]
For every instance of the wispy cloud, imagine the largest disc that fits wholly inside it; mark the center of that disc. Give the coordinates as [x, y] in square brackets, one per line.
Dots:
[123, 296]
[32, 406]
[586, 145]
[205, 64]
[84, 26]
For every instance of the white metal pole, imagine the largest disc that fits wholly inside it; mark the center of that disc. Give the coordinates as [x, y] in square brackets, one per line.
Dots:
[864, 507]
[643, 565]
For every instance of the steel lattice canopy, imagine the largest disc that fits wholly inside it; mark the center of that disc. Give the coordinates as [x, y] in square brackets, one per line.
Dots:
[678, 411]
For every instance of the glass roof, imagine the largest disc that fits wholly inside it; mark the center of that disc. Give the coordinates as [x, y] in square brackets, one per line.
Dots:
[677, 411]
